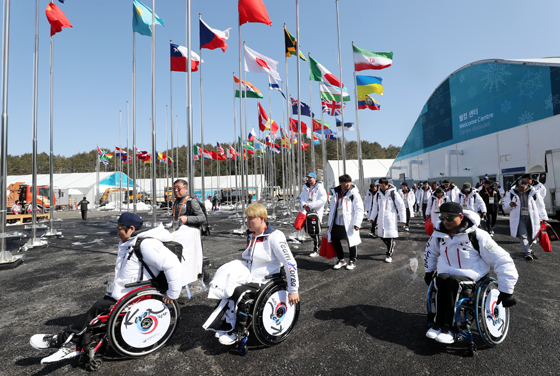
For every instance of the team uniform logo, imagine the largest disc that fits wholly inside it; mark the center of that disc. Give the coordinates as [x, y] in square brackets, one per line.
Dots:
[145, 323]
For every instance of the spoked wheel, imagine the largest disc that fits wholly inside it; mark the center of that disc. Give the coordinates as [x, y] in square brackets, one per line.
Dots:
[273, 316]
[492, 319]
[142, 323]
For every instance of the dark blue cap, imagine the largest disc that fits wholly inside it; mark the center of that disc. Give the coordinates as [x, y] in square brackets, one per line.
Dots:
[130, 219]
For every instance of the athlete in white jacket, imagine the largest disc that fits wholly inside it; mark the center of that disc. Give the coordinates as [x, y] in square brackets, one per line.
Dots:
[312, 198]
[409, 199]
[451, 255]
[470, 199]
[434, 203]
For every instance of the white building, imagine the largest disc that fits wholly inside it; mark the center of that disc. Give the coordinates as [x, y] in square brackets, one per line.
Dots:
[373, 169]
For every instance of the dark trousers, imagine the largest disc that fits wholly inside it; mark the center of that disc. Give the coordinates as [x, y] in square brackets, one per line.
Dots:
[448, 290]
[84, 214]
[390, 246]
[338, 233]
[491, 217]
[424, 207]
[103, 305]
[374, 224]
[407, 216]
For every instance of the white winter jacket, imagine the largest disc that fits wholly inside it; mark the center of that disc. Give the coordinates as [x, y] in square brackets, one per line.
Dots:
[155, 255]
[472, 201]
[385, 207]
[368, 201]
[421, 200]
[409, 200]
[433, 208]
[452, 192]
[457, 256]
[537, 210]
[314, 197]
[352, 212]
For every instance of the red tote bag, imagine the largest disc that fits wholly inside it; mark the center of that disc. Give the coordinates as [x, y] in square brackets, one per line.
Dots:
[552, 235]
[327, 249]
[544, 241]
[429, 226]
[300, 220]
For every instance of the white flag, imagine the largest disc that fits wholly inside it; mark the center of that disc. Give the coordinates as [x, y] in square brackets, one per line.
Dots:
[258, 63]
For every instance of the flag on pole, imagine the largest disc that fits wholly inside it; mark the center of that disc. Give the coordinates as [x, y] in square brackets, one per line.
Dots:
[219, 148]
[268, 140]
[251, 135]
[316, 140]
[349, 126]
[294, 127]
[206, 154]
[120, 152]
[141, 154]
[332, 136]
[332, 108]
[231, 152]
[103, 158]
[222, 157]
[276, 149]
[320, 73]
[197, 152]
[333, 93]
[364, 59]
[369, 84]
[366, 101]
[246, 88]
[266, 123]
[142, 19]
[305, 110]
[162, 157]
[290, 43]
[253, 11]
[213, 38]
[56, 18]
[179, 55]
[214, 155]
[258, 63]
[317, 126]
[273, 84]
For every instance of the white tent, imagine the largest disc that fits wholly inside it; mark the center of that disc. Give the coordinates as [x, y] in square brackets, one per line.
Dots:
[373, 168]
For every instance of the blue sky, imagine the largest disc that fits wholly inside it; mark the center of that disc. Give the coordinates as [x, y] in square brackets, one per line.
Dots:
[93, 63]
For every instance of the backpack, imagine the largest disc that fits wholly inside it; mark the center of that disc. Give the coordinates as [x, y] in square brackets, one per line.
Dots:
[392, 194]
[473, 239]
[160, 281]
[204, 228]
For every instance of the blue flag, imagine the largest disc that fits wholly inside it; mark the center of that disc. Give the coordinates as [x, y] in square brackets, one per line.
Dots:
[142, 19]
[305, 110]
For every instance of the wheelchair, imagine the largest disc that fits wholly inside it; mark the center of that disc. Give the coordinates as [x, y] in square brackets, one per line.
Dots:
[137, 325]
[476, 305]
[264, 311]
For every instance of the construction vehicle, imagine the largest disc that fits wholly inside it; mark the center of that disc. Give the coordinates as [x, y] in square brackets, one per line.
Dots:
[116, 194]
[23, 193]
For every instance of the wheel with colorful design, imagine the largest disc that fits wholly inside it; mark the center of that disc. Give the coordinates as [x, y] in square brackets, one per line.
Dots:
[492, 319]
[142, 323]
[273, 316]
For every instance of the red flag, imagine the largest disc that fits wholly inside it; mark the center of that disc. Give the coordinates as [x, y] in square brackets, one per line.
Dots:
[214, 155]
[56, 18]
[294, 126]
[317, 126]
[253, 11]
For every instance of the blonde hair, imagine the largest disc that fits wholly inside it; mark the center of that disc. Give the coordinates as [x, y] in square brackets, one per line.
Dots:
[256, 210]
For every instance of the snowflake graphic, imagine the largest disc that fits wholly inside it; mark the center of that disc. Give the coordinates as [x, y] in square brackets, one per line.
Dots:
[494, 76]
[552, 101]
[453, 101]
[527, 117]
[506, 106]
[530, 84]
[437, 98]
[430, 133]
[462, 78]
[471, 93]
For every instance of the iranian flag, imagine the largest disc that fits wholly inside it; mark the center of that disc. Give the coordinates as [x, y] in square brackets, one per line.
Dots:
[332, 93]
[249, 90]
[364, 59]
[320, 73]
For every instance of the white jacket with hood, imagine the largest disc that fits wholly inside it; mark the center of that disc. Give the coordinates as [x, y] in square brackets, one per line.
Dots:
[472, 201]
[410, 200]
[457, 256]
[352, 213]
[537, 210]
[155, 255]
[314, 197]
[386, 208]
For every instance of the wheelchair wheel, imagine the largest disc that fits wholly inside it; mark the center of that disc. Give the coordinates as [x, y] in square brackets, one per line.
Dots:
[141, 323]
[492, 319]
[273, 316]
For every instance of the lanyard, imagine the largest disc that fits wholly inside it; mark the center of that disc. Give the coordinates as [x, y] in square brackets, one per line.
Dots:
[182, 203]
[252, 245]
[488, 193]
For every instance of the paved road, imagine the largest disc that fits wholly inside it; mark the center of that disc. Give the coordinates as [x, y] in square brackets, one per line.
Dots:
[370, 320]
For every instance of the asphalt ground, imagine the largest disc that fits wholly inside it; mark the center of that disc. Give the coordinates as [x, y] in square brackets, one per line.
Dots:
[370, 320]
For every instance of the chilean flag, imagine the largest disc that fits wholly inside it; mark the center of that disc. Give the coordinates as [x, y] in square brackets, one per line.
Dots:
[179, 56]
[213, 38]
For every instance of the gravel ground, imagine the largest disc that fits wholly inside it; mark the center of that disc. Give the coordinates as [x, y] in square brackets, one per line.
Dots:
[370, 320]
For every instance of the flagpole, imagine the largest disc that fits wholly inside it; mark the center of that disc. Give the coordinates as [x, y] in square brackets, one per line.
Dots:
[173, 157]
[234, 139]
[343, 146]
[312, 120]
[323, 142]
[134, 165]
[201, 120]
[120, 162]
[247, 135]
[299, 167]
[154, 158]
[127, 163]
[51, 231]
[177, 145]
[289, 155]
[358, 138]
[165, 189]
[282, 153]
[189, 104]
[241, 92]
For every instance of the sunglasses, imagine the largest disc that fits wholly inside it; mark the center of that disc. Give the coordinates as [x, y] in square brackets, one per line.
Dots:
[448, 218]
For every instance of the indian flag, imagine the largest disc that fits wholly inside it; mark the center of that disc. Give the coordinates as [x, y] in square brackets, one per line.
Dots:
[364, 59]
[249, 90]
[332, 93]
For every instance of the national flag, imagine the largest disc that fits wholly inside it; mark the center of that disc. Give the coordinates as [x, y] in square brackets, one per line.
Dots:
[246, 88]
[316, 139]
[369, 84]
[103, 158]
[348, 126]
[147, 159]
[231, 152]
[214, 155]
[197, 152]
[273, 84]
[142, 154]
[283, 132]
[294, 127]
[286, 143]
[332, 93]
[142, 19]
[368, 102]
[268, 140]
[252, 134]
[276, 148]
[222, 157]
[320, 73]
[162, 157]
[304, 146]
[332, 136]
[56, 18]
[179, 55]
[364, 59]
[120, 152]
[219, 148]
[258, 63]
[317, 126]
[305, 110]
[253, 11]
[332, 108]
[206, 154]
[212, 38]
[266, 123]
[290, 43]
[170, 160]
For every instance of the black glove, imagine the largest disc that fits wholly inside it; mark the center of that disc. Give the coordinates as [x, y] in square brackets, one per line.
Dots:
[428, 277]
[507, 300]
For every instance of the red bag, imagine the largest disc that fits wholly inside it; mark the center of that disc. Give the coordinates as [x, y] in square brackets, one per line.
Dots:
[544, 241]
[429, 226]
[552, 235]
[327, 249]
[300, 220]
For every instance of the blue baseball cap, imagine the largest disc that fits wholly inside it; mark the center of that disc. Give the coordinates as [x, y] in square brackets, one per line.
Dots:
[130, 219]
[312, 175]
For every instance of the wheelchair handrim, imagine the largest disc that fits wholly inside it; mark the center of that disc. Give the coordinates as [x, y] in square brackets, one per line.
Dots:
[481, 315]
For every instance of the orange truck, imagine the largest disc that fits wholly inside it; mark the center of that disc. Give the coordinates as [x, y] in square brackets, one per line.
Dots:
[22, 192]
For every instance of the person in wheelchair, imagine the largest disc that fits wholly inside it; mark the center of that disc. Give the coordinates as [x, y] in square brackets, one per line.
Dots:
[459, 253]
[128, 269]
[266, 252]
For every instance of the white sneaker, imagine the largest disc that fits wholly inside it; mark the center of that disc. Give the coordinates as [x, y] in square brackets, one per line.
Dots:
[228, 339]
[406, 228]
[446, 338]
[314, 254]
[44, 341]
[351, 265]
[339, 264]
[67, 351]
[389, 259]
[433, 333]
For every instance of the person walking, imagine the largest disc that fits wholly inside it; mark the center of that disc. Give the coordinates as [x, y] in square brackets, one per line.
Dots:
[491, 198]
[424, 198]
[469, 199]
[186, 211]
[409, 199]
[368, 202]
[450, 190]
[312, 198]
[84, 207]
